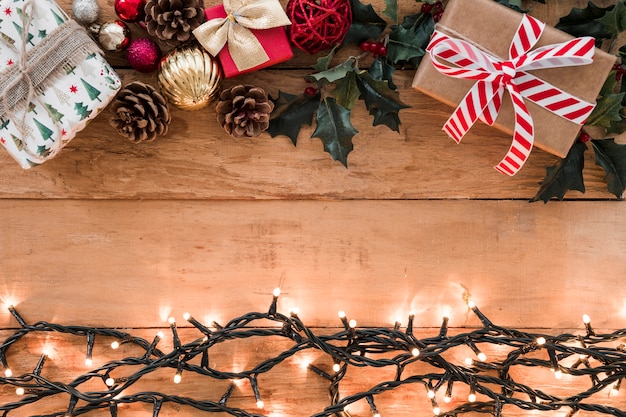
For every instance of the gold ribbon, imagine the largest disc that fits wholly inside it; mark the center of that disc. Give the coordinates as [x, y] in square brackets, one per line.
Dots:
[234, 29]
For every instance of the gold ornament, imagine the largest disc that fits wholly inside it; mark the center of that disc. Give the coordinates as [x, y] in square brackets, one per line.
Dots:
[189, 77]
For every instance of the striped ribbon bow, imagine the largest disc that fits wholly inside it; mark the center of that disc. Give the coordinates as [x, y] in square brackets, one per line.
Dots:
[460, 59]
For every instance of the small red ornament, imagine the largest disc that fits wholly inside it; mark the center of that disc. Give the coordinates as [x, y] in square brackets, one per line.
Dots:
[130, 10]
[317, 25]
[143, 55]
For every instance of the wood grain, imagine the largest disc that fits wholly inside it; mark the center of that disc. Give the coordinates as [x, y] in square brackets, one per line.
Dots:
[132, 264]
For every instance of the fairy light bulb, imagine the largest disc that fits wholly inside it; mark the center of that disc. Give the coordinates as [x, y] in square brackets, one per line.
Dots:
[415, 352]
[341, 314]
[471, 304]
[471, 397]
[186, 316]
[352, 323]
[558, 374]
[260, 404]
[115, 344]
[276, 292]
[376, 415]
[469, 361]
[482, 357]
[431, 394]
[586, 319]
[447, 399]
[109, 382]
[336, 367]
[177, 378]
[615, 387]
[88, 361]
[171, 320]
[160, 335]
[19, 391]
[8, 372]
[436, 411]
[541, 340]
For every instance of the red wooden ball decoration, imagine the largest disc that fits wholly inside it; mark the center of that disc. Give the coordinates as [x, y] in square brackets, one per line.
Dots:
[318, 24]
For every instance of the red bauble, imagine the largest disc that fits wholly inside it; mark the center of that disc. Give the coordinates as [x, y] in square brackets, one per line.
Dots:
[318, 24]
[130, 10]
[143, 55]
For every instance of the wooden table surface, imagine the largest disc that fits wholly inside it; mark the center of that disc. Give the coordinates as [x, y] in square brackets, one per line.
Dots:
[116, 234]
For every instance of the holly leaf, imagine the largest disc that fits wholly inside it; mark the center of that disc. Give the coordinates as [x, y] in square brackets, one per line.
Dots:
[612, 157]
[290, 113]
[564, 176]
[324, 62]
[381, 70]
[582, 22]
[607, 110]
[335, 73]
[366, 24]
[347, 90]
[380, 100]
[408, 41]
[335, 129]
[614, 21]
[391, 10]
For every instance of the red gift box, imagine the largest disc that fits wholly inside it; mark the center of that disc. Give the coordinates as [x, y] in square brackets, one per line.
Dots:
[274, 41]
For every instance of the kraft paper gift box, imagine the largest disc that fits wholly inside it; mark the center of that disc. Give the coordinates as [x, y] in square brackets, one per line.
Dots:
[70, 82]
[274, 41]
[491, 27]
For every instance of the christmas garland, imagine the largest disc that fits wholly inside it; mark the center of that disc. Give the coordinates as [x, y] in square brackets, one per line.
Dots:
[245, 111]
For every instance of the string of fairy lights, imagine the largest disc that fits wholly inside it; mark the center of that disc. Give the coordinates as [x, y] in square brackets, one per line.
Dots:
[493, 385]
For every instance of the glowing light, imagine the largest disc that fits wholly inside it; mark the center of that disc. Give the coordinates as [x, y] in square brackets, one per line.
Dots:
[88, 362]
[304, 364]
[294, 310]
[260, 404]
[447, 399]
[177, 378]
[352, 323]
[19, 391]
[336, 367]
[469, 361]
[186, 316]
[436, 411]
[431, 394]
[415, 352]
[171, 320]
[160, 335]
[411, 314]
[471, 304]
[541, 341]
[472, 397]
[615, 389]
[115, 345]
[276, 292]
[558, 374]
[586, 319]
[8, 373]
[109, 382]
[376, 415]
[482, 357]
[341, 314]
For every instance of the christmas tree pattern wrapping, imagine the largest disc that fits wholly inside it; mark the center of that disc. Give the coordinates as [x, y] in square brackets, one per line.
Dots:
[37, 129]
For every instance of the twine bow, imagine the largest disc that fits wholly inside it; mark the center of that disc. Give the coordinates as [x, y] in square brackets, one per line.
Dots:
[460, 59]
[234, 29]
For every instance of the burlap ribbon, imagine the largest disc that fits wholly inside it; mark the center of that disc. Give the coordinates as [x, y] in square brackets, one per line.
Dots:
[39, 68]
[234, 29]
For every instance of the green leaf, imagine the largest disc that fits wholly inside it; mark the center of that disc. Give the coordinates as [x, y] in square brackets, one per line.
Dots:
[335, 73]
[614, 21]
[290, 113]
[607, 111]
[381, 70]
[582, 22]
[408, 41]
[366, 24]
[612, 157]
[335, 129]
[324, 62]
[380, 100]
[391, 10]
[347, 90]
[564, 176]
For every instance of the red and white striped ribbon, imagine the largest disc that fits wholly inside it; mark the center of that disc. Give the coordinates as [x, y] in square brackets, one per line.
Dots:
[461, 59]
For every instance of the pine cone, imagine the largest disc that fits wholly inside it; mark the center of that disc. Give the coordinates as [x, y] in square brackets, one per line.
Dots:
[140, 112]
[244, 110]
[171, 20]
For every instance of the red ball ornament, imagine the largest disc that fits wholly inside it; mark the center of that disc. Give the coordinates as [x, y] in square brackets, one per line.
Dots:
[143, 55]
[317, 25]
[130, 10]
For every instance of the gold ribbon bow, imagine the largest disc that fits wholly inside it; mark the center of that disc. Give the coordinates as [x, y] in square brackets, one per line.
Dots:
[234, 29]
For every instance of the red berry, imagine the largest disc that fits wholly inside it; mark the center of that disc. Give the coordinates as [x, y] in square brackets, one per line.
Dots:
[382, 50]
[437, 8]
[373, 47]
[584, 136]
[437, 17]
[616, 67]
[364, 46]
[426, 8]
[310, 91]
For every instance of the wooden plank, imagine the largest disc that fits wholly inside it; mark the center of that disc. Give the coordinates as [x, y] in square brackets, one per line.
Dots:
[132, 264]
[288, 389]
[198, 160]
